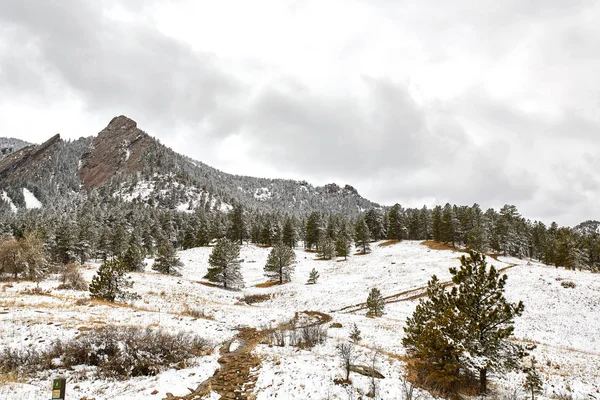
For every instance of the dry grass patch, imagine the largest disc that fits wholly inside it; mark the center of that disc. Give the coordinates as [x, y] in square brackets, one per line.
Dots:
[209, 284]
[389, 243]
[195, 313]
[267, 284]
[433, 245]
[35, 291]
[11, 377]
[256, 298]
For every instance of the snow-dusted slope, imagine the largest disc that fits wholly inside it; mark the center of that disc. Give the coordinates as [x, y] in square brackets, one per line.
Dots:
[4, 197]
[563, 322]
[30, 200]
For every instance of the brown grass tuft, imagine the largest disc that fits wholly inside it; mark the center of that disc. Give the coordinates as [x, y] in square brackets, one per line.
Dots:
[389, 243]
[433, 245]
[209, 284]
[256, 298]
[267, 284]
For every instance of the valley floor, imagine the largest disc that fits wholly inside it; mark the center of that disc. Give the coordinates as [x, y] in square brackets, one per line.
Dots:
[562, 322]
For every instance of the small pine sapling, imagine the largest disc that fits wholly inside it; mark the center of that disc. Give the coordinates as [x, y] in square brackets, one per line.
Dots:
[533, 381]
[355, 334]
[225, 264]
[313, 277]
[326, 248]
[167, 262]
[375, 304]
[110, 281]
[280, 263]
[342, 246]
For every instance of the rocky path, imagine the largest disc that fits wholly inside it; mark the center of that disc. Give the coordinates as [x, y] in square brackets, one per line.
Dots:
[236, 377]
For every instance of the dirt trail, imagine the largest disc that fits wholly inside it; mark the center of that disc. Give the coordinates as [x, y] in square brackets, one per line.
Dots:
[236, 377]
[407, 295]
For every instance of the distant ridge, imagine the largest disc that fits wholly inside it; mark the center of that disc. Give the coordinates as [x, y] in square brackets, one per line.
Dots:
[122, 160]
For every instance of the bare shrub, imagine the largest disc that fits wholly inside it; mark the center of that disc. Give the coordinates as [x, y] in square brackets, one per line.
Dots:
[35, 291]
[294, 337]
[513, 392]
[196, 313]
[562, 396]
[117, 352]
[568, 284]
[310, 336]
[71, 278]
[347, 357]
[279, 338]
[408, 390]
[21, 362]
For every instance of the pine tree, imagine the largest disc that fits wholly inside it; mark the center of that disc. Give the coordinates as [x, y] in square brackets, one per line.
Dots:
[506, 230]
[448, 225]
[65, 242]
[486, 315]
[567, 253]
[533, 381]
[103, 247]
[436, 223]
[362, 236]
[375, 222]
[203, 233]
[118, 241]
[313, 277]
[237, 224]
[189, 238]
[375, 303]
[355, 334]
[342, 246]
[314, 230]
[432, 337]
[290, 235]
[326, 248]
[166, 261]
[85, 238]
[280, 263]
[225, 264]
[396, 228]
[133, 259]
[147, 242]
[476, 239]
[466, 329]
[110, 282]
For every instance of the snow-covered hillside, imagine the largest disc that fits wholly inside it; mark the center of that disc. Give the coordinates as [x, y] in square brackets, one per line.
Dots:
[562, 321]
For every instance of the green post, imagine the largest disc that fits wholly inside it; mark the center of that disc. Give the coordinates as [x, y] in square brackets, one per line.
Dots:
[58, 389]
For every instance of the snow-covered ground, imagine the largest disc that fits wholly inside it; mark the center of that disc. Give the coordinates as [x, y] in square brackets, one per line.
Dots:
[30, 200]
[563, 322]
[4, 197]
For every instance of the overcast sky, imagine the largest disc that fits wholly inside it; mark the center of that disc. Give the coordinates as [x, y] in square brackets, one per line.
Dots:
[416, 102]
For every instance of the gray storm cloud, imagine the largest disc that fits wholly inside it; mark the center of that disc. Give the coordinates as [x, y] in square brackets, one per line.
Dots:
[535, 147]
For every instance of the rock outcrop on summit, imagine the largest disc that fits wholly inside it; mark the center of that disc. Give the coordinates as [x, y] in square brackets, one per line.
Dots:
[118, 148]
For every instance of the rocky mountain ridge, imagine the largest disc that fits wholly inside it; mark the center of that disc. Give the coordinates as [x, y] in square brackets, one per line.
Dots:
[123, 160]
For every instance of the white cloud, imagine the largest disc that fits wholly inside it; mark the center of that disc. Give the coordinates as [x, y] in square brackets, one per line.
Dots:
[411, 102]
